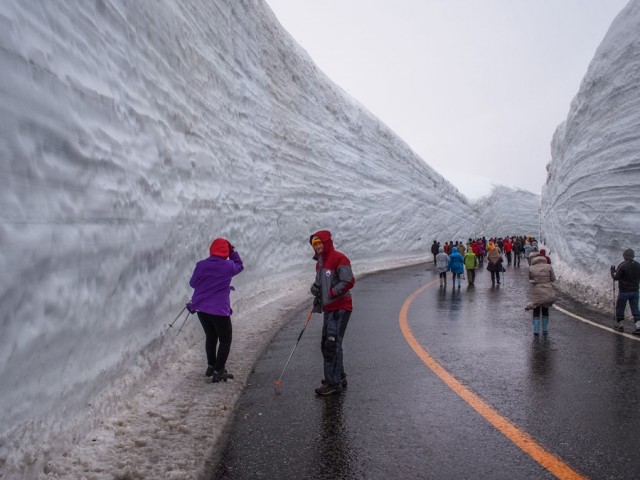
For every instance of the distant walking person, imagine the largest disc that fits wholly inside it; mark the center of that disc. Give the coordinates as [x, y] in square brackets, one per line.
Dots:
[541, 295]
[495, 264]
[442, 266]
[627, 274]
[527, 251]
[470, 263]
[334, 280]
[456, 265]
[435, 247]
[517, 252]
[211, 281]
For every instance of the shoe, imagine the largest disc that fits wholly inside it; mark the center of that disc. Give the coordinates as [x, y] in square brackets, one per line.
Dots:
[325, 390]
[222, 376]
[618, 327]
[210, 370]
[343, 382]
[636, 332]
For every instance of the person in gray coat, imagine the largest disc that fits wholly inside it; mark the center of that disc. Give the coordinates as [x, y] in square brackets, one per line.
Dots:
[442, 266]
[541, 294]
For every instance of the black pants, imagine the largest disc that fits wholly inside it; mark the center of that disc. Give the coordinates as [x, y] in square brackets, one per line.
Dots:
[333, 329]
[495, 276]
[545, 312]
[216, 329]
[471, 275]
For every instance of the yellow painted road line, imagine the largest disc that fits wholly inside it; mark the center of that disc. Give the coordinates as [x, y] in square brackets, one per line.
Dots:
[523, 440]
[604, 327]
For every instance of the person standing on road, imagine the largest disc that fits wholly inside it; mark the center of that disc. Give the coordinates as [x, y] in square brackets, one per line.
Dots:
[541, 295]
[442, 266]
[470, 263]
[517, 252]
[495, 264]
[628, 276]
[527, 251]
[435, 247]
[334, 280]
[456, 265]
[211, 281]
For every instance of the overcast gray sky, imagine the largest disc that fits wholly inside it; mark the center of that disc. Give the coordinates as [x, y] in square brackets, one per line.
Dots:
[476, 88]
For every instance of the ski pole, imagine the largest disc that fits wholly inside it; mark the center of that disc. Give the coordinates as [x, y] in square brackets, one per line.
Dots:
[174, 321]
[278, 382]
[615, 318]
[185, 321]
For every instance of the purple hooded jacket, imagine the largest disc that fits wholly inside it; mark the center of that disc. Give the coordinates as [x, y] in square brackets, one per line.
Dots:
[211, 281]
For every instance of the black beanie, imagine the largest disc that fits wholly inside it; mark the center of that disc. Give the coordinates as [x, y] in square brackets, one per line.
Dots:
[628, 254]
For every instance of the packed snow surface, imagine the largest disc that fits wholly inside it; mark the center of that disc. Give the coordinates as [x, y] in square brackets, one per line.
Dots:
[509, 211]
[590, 210]
[133, 133]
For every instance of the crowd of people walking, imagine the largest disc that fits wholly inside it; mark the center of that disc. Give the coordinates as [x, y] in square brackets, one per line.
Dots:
[456, 257]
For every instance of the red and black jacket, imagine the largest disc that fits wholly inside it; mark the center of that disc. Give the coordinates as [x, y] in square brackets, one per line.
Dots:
[334, 277]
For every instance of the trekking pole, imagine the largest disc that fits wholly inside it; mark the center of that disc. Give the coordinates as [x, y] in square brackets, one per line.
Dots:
[185, 321]
[174, 321]
[615, 318]
[278, 382]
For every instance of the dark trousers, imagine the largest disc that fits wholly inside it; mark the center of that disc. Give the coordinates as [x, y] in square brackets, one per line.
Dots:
[621, 304]
[495, 276]
[333, 328]
[471, 275]
[516, 259]
[216, 329]
[545, 312]
[508, 254]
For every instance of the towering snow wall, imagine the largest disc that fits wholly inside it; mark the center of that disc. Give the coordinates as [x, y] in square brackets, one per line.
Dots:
[590, 209]
[509, 211]
[133, 133]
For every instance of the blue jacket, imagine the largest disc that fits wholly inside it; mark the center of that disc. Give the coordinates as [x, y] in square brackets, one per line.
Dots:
[456, 263]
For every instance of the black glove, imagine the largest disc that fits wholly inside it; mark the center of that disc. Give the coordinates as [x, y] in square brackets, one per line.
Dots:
[613, 268]
[317, 304]
[191, 309]
[315, 290]
[231, 247]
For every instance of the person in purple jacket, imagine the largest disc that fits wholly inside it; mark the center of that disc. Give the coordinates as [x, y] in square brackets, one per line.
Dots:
[211, 281]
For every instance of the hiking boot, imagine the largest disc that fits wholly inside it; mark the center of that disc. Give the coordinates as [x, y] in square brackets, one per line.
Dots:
[222, 376]
[618, 327]
[210, 370]
[325, 390]
[344, 382]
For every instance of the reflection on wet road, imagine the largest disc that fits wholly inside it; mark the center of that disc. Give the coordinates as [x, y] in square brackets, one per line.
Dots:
[575, 392]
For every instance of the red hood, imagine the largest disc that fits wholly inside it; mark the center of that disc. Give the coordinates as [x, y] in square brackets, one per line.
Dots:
[327, 243]
[219, 248]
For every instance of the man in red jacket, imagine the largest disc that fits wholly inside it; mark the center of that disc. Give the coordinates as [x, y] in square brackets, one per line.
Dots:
[334, 280]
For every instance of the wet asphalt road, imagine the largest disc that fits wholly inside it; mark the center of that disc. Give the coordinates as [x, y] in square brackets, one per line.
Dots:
[576, 392]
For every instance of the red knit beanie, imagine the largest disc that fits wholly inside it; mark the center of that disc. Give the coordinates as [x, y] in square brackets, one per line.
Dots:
[219, 248]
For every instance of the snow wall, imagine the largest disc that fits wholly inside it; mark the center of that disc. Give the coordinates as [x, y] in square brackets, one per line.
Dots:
[590, 210]
[509, 211]
[133, 133]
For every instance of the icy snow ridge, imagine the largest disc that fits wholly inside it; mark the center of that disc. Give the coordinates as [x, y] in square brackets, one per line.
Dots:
[509, 211]
[590, 211]
[133, 134]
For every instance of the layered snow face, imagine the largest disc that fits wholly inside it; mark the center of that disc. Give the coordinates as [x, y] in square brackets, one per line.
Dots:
[509, 211]
[590, 211]
[133, 133]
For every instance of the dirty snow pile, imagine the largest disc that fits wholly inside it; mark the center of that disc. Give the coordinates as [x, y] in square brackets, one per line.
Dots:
[509, 211]
[133, 134]
[590, 209]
